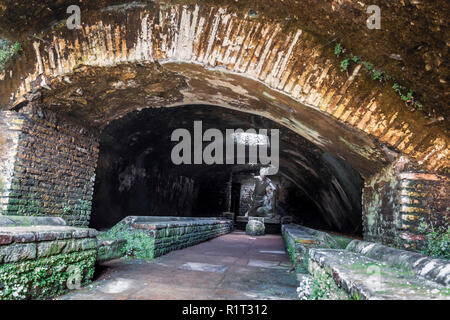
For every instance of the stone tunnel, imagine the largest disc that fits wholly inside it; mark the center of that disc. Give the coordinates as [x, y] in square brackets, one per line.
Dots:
[87, 113]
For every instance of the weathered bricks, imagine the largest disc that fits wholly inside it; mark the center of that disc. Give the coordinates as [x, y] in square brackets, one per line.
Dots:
[398, 199]
[52, 171]
[40, 240]
[299, 239]
[39, 261]
[173, 233]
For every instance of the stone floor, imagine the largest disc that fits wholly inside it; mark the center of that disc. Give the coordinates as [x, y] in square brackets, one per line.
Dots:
[233, 266]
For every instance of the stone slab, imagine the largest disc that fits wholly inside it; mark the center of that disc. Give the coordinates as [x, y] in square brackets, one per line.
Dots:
[205, 267]
[109, 249]
[267, 264]
[434, 269]
[16, 221]
[366, 278]
[273, 251]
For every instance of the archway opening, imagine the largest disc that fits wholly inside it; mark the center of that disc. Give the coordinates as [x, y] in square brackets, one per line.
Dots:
[136, 176]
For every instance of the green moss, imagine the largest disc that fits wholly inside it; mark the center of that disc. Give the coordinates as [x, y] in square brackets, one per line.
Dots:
[341, 240]
[7, 50]
[139, 244]
[46, 277]
[337, 49]
[323, 285]
[344, 64]
[437, 242]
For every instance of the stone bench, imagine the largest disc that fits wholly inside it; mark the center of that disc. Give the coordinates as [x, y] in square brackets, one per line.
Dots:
[42, 261]
[347, 274]
[110, 249]
[434, 269]
[165, 235]
[299, 239]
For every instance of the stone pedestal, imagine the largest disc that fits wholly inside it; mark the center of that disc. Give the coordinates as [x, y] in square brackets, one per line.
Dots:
[255, 226]
[228, 215]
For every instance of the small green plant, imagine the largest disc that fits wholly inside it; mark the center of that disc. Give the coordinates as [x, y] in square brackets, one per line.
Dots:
[437, 242]
[344, 64]
[321, 288]
[397, 87]
[139, 244]
[378, 75]
[367, 65]
[355, 59]
[337, 49]
[7, 50]
[408, 96]
[418, 105]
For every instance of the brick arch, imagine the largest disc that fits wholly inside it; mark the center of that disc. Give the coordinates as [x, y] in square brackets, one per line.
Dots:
[288, 62]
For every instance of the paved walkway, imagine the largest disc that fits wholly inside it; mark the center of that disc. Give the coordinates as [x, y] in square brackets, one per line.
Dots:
[233, 266]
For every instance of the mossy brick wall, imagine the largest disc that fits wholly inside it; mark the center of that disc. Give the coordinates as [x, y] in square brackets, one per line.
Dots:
[299, 240]
[10, 126]
[53, 168]
[175, 236]
[395, 202]
[163, 237]
[295, 250]
[42, 262]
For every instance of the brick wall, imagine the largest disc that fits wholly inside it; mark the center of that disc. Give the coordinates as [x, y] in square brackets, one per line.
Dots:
[423, 197]
[397, 199]
[10, 126]
[40, 262]
[54, 167]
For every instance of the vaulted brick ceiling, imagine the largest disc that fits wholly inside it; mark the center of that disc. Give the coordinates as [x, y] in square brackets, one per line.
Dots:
[272, 60]
[412, 44]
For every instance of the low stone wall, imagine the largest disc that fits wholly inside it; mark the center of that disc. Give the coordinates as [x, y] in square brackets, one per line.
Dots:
[38, 262]
[299, 240]
[434, 269]
[363, 270]
[110, 249]
[165, 234]
[351, 275]
[23, 221]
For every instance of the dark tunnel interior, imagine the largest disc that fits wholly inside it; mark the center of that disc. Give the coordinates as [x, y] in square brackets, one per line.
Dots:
[135, 174]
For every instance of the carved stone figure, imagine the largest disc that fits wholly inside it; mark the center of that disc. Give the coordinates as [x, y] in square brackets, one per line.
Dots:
[263, 198]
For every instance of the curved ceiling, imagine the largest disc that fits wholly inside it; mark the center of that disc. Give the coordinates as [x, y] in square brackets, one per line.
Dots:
[143, 55]
[143, 139]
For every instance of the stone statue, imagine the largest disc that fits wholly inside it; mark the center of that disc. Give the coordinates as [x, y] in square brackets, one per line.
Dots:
[263, 198]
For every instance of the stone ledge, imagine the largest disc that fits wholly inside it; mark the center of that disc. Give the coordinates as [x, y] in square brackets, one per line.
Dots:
[10, 235]
[40, 261]
[168, 235]
[434, 269]
[364, 278]
[109, 249]
[46, 277]
[299, 240]
[16, 221]
[33, 242]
